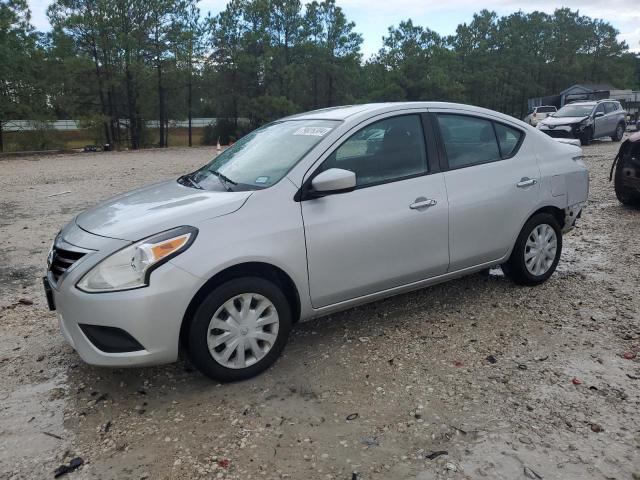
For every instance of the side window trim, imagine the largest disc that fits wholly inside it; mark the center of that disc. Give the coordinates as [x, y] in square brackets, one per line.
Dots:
[315, 168]
[434, 161]
[442, 153]
[439, 142]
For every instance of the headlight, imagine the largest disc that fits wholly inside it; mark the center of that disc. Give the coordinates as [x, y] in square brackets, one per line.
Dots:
[131, 267]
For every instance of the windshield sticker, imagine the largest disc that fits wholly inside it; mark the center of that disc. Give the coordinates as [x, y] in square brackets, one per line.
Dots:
[262, 180]
[312, 131]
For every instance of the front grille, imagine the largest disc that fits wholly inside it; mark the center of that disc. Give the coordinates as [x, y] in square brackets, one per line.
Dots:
[61, 261]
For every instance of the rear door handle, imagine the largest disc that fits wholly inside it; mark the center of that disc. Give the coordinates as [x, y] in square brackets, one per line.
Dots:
[526, 182]
[422, 203]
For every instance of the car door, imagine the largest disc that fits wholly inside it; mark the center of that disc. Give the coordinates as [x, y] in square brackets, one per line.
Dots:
[492, 182]
[611, 115]
[600, 127]
[392, 229]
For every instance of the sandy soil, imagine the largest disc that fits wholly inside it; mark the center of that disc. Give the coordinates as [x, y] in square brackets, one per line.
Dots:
[377, 391]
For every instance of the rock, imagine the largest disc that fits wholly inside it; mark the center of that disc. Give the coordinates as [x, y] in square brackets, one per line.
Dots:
[596, 428]
[436, 454]
[25, 301]
[452, 467]
[369, 441]
[74, 464]
[529, 473]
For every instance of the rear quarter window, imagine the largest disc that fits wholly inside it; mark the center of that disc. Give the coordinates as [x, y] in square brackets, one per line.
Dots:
[509, 139]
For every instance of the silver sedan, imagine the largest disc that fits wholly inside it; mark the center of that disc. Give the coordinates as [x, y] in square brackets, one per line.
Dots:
[306, 216]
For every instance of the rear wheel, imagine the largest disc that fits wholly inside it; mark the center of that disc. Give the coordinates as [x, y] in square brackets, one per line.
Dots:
[619, 133]
[239, 329]
[537, 251]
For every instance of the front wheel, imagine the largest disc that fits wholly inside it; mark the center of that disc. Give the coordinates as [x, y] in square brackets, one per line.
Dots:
[239, 329]
[587, 137]
[536, 253]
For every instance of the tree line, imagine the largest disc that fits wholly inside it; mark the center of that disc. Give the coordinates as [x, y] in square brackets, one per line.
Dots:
[116, 64]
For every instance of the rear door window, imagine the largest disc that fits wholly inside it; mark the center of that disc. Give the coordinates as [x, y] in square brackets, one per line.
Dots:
[609, 107]
[468, 140]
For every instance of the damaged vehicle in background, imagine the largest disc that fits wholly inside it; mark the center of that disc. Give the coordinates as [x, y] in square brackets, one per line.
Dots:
[309, 215]
[625, 171]
[587, 121]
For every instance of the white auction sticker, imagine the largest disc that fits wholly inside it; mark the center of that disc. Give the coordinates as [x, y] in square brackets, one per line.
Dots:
[312, 131]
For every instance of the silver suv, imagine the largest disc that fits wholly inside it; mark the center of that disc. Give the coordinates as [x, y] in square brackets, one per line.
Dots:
[306, 216]
[587, 121]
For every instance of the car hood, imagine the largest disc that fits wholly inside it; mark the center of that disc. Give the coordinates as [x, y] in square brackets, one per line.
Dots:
[562, 120]
[149, 210]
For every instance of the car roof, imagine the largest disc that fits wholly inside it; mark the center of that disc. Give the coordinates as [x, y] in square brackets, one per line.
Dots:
[593, 102]
[350, 112]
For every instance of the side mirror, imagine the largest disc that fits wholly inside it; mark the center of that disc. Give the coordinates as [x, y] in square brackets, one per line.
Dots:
[599, 114]
[334, 180]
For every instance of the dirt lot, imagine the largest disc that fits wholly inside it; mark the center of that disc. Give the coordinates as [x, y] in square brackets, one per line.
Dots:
[378, 390]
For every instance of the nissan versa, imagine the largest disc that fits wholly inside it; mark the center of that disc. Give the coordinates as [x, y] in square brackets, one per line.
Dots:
[308, 215]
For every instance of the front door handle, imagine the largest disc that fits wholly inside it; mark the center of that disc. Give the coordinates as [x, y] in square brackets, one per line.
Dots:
[422, 203]
[526, 182]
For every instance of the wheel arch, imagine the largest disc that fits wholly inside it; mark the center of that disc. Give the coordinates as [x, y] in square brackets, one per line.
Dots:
[247, 269]
[555, 211]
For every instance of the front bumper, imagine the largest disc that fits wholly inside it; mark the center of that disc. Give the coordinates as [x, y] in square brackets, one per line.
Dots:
[563, 131]
[152, 315]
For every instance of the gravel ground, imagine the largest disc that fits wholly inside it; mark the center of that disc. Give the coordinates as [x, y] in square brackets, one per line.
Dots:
[509, 382]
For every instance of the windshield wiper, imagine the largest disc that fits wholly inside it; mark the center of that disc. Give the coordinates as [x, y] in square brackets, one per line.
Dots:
[223, 180]
[187, 179]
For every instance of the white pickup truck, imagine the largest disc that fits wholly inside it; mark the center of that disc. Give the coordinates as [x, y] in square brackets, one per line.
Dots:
[539, 113]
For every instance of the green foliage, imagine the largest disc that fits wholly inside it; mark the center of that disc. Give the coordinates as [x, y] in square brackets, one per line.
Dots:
[94, 126]
[121, 63]
[223, 131]
[267, 108]
[41, 137]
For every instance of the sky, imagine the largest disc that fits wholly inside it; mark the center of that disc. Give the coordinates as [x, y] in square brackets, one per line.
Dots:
[373, 17]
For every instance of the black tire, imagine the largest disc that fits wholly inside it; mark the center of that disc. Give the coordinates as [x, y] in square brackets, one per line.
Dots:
[587, 137]
[516, 268]
[619, 133]
[625, 195]
[198, 348]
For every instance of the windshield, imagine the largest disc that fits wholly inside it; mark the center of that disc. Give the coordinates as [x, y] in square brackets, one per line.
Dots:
[261, 158]
[574, 111]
